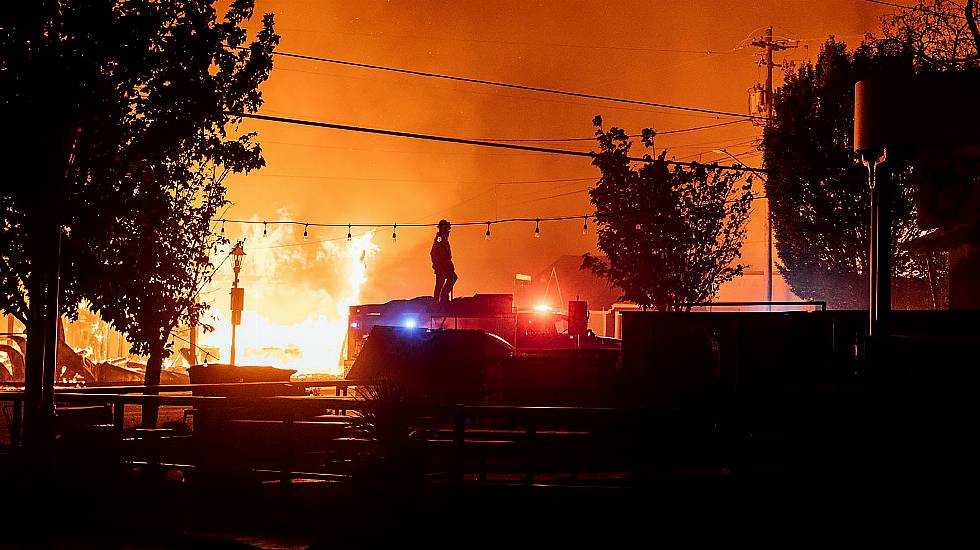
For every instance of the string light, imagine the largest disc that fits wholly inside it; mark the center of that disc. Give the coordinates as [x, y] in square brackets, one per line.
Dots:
[487, 233]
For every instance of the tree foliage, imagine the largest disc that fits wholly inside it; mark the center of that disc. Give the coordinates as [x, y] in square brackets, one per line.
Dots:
[121, 108]
[158, 260]
[670, 236]
[817, 188]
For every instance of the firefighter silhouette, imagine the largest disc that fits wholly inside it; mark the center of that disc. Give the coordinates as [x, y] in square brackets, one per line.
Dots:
[442, 264]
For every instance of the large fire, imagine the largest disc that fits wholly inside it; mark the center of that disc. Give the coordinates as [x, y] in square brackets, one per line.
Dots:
[297, 299]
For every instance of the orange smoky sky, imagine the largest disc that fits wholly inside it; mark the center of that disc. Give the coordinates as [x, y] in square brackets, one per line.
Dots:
[647, 50]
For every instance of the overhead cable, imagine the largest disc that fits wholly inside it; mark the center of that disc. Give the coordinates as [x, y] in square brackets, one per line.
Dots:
[479, 143]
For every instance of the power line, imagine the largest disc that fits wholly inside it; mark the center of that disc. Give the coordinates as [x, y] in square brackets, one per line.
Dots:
[206, 352]
[592, 138]
[549, 197]
[446, 139]
[383, 36]
[681, 130]
[914, 8]
[343, 178]
[513, 86]
[546, 181]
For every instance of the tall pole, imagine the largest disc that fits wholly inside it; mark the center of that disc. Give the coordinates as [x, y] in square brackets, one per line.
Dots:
[234, 321]
[769, 102]
[879, 255]
[237, 296]
[769, 45]
[769, 252]
[193, 351]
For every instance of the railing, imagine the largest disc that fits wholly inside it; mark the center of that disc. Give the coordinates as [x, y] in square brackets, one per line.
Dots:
[117, 397]
[542, 426]
[341, 386]
[234, 430]
[816, 303]
[273, 436]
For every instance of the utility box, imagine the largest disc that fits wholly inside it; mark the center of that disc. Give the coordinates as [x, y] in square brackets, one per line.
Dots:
[237, 299]
[578, 318]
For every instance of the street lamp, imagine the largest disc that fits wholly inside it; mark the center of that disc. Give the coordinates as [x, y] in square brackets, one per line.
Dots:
[237, 296]
[768, 233]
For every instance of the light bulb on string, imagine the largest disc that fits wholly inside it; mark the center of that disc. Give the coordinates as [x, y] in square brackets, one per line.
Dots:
[488, 231]
[348, 233]
[265, 229]
[222, 227]
[306, 231]
[638, 226]
[394, 235]
[585, 225]
[537, 229]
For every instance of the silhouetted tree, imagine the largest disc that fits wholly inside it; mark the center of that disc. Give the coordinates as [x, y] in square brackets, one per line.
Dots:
[96, 93]
[817, 188]
[156, 264]
[941, 34]
[670, 236]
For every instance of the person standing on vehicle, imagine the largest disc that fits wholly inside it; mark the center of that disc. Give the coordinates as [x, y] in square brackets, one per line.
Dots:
[442, 264]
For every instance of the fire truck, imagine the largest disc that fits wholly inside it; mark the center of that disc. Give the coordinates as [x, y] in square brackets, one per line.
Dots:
[481, 345]
[529, 332]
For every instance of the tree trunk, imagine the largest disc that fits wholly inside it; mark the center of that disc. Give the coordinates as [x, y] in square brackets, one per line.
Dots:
[152, 378]
[34, 415]
[971, 22]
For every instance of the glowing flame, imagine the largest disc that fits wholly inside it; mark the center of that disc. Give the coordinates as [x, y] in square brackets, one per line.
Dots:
[297, 301]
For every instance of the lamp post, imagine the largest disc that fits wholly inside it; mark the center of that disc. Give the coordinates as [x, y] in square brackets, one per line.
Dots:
[237, 296]
[768, 234]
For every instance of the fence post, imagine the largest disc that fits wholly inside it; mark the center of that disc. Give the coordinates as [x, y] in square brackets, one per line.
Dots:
[288, 450]
[639, 422]
[15, 424]
[118, 414]
[459, 438]
[532, 432]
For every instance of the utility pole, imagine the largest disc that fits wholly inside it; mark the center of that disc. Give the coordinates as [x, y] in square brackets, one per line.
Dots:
[769, 45]
[193, 322]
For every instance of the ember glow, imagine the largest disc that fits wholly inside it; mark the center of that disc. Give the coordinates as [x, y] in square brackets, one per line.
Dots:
[291, 321]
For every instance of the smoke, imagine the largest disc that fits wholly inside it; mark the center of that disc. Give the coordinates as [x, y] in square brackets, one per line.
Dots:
[297, 294]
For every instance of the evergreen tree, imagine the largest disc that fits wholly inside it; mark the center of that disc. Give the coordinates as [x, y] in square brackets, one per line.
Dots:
[817, 188]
